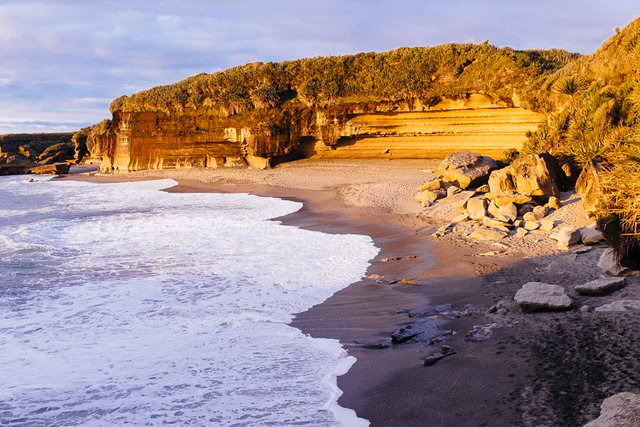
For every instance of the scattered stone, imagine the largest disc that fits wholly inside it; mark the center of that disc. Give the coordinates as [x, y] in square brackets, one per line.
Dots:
[502, 199]
[526, 208]
[375, 276]
[466, 168]
[421, 330]
[374, 345]
[452, 190]
[396, 258]
[477, 208]
[601, 286]
[407, 282]
[444, 309]
[566, 237]
[521, 232]
[459, 201]
[32, 180]
[460, 218]
[412, 257]
[619, 410]
[547, 224]
[500, 307]
[582, 250]
[531, 225]
[553, 265]
[445, 351]
[591, 236]
[428, 196]
[434, 184]
[483, 233]
[518, 223]
[529, 217]
[385, 260]
[508, 213]
[493, 209]
[619, 306]
[610, 264]
[554, 203]
[491, 222]
[480, 333]
[442, 230]
[585, 309]
[538, 296]
[492, 253]
[483, 188]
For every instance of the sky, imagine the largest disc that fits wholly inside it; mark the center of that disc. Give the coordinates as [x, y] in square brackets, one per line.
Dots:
[63, 61]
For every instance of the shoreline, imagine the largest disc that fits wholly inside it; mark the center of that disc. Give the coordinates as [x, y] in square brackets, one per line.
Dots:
[491, 382]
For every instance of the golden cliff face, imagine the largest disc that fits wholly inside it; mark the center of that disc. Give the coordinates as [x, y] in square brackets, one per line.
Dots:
[149, 140]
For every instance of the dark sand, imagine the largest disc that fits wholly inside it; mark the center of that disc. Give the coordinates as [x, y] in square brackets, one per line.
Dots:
[550, 369]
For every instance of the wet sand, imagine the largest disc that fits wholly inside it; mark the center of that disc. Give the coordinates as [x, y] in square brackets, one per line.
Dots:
[535, 369]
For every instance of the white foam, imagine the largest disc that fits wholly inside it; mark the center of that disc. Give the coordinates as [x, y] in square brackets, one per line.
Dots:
[120, 303]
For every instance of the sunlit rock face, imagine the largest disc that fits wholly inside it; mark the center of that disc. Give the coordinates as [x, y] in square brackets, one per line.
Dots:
[398, 130]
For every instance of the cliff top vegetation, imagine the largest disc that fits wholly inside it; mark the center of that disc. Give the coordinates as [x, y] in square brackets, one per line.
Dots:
[426, 73]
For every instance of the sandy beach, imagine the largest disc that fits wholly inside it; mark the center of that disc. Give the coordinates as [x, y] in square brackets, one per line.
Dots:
[528, 369]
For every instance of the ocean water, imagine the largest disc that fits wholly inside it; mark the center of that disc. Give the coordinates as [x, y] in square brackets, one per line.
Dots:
[125, 304]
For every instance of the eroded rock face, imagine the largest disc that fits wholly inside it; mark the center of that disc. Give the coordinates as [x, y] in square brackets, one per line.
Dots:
[620, 410]
[537, 175]
[466, 168]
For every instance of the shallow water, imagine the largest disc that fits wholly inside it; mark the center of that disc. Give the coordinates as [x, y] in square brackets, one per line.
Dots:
[121, 303]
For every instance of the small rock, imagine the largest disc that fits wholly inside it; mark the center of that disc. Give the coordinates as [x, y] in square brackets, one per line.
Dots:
[480, 333]
[538, 296]
[620, 410]
[421, 330]
[444, 309]
[531, 225]
[396, 258]
[547, 224]
[375, 276]
[476, 207]
[434, 184]
[507, 213]
[554, 203]
[582, 250]
[412, 257]
[444, 352]
[566, 237]
[601, 286]
[428, 196]
[374, 345]
[591, 236]
[491, 222]
[518, 223]
[493, 209]
[384, 260]
[483, 188]
[460, 218]
[452, 190]
[459, 201]
[585, 309]
[483, 233]
[32, 180]
[610, 264]
[553, 265]
[526, 208]
[407, 282]
[540, 211]
[521, 232]
[620, 306]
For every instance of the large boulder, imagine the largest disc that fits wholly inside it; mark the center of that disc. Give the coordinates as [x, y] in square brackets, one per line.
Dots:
[537, 175]
[466, 168]
[620, 410]
[538, 296]
[588, 185]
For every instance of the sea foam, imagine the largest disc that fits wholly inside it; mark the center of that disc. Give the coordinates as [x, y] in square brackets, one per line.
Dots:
[122, 303]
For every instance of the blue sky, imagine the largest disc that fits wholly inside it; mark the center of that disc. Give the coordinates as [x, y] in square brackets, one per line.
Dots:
[63, 61]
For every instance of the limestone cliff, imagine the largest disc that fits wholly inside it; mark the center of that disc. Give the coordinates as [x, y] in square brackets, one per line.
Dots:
[408, 103]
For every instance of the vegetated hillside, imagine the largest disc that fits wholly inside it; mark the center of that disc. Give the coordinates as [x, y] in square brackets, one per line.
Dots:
[426, 73]
[596, 118]
[263, 113]
[36, 142]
